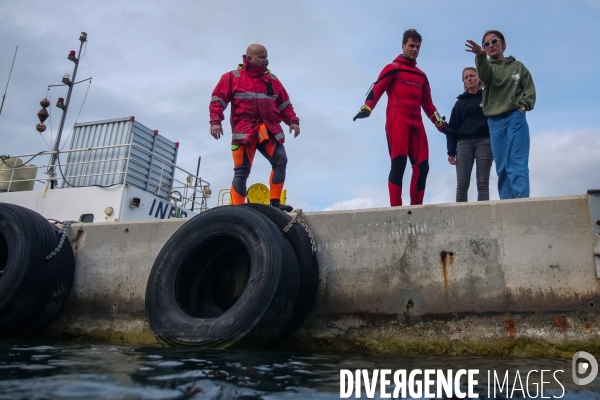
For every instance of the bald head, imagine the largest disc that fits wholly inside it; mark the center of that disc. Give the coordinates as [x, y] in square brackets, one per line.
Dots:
[257, 55]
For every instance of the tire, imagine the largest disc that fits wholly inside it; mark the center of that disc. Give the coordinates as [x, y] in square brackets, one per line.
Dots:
[307, 262]
[33, 290]
[226, 278]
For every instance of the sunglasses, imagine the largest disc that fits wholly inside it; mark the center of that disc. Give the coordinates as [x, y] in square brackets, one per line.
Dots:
[494, 41]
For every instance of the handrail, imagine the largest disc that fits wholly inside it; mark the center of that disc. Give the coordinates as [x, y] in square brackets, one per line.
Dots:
[166, 172]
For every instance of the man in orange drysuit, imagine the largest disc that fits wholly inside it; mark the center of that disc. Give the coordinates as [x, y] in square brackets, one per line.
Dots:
[259, 103]
[408, 90]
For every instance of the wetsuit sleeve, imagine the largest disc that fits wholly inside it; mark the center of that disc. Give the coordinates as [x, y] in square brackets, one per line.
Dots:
[221, 96]
[484, 70]
[528, 99]
[380, 86]
[454, 124]
[427, 103]
[286, 110]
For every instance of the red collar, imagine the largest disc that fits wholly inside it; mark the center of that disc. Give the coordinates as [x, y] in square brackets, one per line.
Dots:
[253, 70]
[400, 59]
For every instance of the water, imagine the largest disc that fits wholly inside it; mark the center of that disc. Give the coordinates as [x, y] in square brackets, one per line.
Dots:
[55, 370]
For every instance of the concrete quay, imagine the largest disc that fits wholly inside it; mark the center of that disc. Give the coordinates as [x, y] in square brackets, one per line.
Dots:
[497, 278]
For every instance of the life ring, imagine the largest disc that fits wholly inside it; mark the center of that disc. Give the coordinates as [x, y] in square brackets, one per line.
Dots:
[226, 278]
[307, 262]
[33, 288]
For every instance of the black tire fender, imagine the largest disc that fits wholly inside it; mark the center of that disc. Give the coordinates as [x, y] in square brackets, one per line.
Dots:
[226, 278]
[33, 289]
[307, 262]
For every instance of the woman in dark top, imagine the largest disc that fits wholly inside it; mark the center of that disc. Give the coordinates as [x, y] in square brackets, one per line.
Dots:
[468, 139]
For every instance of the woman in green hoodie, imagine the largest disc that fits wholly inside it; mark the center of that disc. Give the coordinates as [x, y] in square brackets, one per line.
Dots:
[509, 94]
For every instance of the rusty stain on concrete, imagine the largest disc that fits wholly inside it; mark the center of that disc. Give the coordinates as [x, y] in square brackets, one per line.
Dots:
[447, 258]
[509, 326]
[561, 322]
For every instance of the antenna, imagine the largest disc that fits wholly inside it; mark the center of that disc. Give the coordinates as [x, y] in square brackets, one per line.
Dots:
[65, 106]
[11, 68]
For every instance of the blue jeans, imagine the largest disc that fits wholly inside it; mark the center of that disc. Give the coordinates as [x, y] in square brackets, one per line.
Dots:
[509, 134]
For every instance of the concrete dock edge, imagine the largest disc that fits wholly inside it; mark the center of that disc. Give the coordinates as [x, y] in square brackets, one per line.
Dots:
[498, 278]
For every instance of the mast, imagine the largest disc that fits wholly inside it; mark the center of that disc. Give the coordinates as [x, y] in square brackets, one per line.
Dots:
[65, 106]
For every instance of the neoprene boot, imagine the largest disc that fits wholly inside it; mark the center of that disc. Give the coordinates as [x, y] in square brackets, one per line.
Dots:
[282, 207]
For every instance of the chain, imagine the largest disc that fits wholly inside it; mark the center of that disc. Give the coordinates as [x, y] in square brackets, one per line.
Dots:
[62, 232]
[293, 220]
[298, 218]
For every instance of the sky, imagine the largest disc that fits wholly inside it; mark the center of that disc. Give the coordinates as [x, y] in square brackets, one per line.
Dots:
[159, 61]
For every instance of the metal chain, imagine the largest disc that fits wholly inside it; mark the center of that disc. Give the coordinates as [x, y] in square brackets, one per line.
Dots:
[63, 233]
[293, 220]
[298, 218]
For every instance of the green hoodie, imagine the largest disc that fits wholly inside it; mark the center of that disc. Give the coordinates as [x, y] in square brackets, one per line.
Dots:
[508, 85]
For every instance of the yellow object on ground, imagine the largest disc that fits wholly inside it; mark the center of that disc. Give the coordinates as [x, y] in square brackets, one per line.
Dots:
[283, 198]
[258, 193]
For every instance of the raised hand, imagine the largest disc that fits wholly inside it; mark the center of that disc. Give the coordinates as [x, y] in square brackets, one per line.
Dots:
[474, 48]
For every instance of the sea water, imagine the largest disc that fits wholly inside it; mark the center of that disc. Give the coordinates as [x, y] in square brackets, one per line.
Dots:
[75, 370]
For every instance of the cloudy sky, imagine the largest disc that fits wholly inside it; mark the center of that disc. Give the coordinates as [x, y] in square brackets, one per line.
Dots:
[160, 61]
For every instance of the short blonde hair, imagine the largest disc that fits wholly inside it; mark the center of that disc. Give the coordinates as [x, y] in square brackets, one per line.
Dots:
[470, 69]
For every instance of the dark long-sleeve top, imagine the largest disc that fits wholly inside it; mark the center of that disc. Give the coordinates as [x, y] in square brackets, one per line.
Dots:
[467, 120]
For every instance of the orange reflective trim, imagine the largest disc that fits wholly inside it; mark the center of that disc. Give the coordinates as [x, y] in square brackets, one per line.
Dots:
[263, 133]
[238, 156]
[249, 149]
[236, 198]
[275, 189]
[271, 145]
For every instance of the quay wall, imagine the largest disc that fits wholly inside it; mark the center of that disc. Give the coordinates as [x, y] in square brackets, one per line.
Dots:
[498, 278]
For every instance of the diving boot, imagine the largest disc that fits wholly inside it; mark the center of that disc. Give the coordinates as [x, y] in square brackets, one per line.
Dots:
[283, 207]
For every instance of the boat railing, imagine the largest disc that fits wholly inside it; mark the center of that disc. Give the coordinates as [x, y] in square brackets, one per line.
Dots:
[94, 166]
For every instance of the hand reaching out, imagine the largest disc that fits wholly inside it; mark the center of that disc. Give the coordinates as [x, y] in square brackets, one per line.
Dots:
[474, 48]
[364, 112]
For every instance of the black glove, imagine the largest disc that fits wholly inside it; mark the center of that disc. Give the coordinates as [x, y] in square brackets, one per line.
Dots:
[365, 111]
[438, 120]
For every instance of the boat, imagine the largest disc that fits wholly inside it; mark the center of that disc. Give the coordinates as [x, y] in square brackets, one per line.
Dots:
[113, 170]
